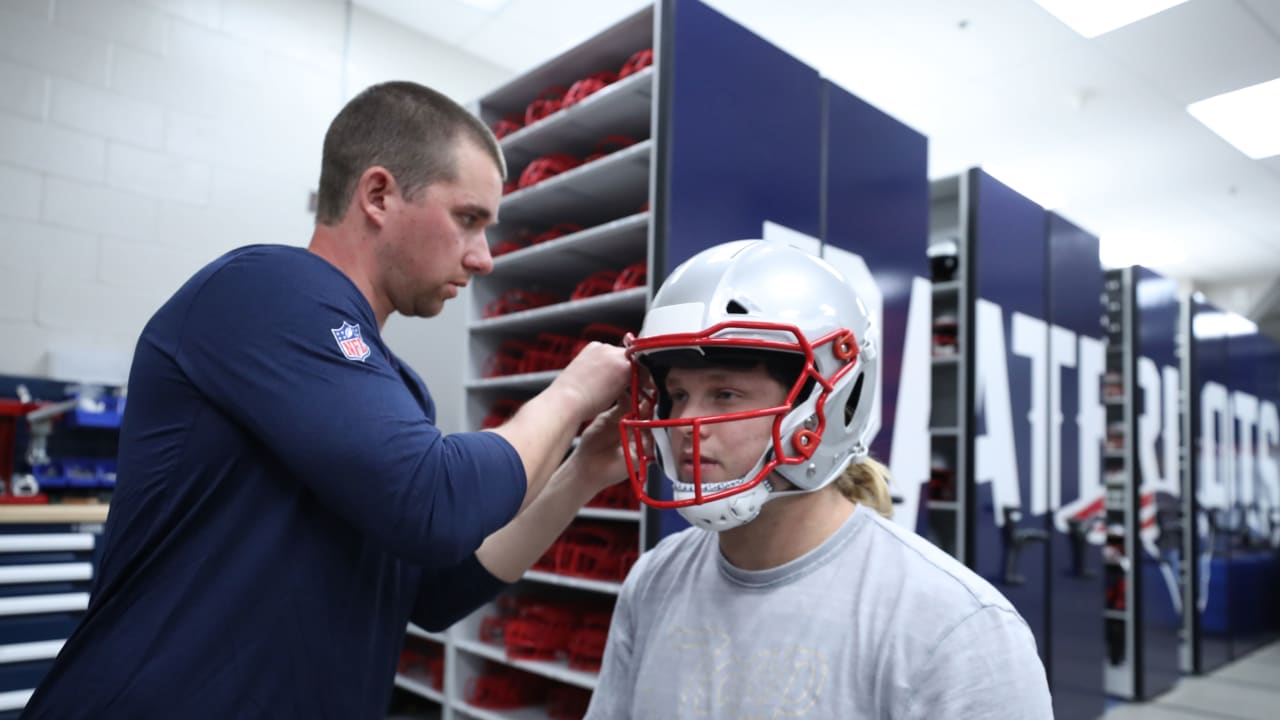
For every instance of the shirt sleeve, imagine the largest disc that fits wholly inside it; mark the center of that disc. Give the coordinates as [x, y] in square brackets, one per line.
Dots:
[261, 347]
[446, 596]
[616, 685]
[985, 667]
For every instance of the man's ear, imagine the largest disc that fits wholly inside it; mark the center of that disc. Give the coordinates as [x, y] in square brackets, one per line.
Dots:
[376, 194]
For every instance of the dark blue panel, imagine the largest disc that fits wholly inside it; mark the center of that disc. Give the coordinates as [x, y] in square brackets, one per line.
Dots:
[1076, 640]
[877, 206]
[1212, 369]
[35, 628]
[1254, 576]
[1161, 539]
[1011, 266]
[741, 121]
[23, 675]
[738, 142]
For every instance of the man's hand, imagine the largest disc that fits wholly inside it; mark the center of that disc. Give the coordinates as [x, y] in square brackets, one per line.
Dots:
[598, 460]
[594, 379]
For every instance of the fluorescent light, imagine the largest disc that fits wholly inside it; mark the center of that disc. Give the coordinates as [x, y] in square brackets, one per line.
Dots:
[1092, 18]
[489, 5]
[1123, 250]
[1207, 325]
[1247, 118]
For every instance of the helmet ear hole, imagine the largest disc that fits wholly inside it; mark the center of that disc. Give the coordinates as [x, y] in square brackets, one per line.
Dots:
[851, 407]
[735, 308]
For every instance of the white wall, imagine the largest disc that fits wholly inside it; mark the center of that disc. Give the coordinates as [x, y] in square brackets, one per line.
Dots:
[140, 139]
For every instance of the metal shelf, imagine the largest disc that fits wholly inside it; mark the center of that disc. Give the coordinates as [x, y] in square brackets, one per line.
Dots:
[601, 586]
[605, 51]
[611, 187]
[527, 381]
[946, 287]
[46, 542]
[576, 254]
[49, 572]
[419, 687]
[554, 669]
[945, 359]
[28, 651]
[37, 604]
[621, 108]
[533, 712]
[614, 306]
[941, 505]
[608, 197]
[15, 699]
[416, 631]
[944, 430]
[609, 514]
[1115, 614]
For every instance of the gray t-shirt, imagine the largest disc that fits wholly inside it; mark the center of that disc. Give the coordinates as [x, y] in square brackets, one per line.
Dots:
[874, 623]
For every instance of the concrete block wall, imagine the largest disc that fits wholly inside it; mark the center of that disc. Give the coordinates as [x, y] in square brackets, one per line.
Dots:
[140, 139]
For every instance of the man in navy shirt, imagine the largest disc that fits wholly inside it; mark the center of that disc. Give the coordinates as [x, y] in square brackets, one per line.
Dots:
[286, 503]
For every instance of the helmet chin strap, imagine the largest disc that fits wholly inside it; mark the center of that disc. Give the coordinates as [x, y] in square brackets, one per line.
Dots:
[776, 493]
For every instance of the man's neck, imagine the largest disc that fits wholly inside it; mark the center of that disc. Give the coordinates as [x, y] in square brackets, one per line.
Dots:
[343, 250]
[786, 528]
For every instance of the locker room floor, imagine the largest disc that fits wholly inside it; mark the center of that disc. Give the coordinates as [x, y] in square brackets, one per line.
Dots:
[1248, 688]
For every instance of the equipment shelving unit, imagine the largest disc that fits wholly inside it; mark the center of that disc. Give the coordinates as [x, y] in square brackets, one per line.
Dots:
[609, 198]
[1121, 487]
[951, 355]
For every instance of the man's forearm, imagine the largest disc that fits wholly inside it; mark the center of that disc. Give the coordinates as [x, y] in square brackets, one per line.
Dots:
[541, 433]
[509, 552]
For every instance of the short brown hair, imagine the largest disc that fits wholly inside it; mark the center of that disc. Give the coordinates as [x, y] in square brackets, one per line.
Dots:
[407, 128]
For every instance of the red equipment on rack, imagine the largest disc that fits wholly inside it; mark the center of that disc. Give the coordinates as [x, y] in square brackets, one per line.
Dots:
[597, 283]
[518, 299]
[587, 86]
[546, 167]
[508, 125]
[632, 276]
[503, 688]
[637, 62]
[547, 102]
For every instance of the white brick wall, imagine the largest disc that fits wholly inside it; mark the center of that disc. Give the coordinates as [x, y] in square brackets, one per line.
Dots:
[36, 8]
[97, 209]
[39, 146]
[66, 53]
[25, 90]
[140, 139]
[17, 294]
[156, 174]
[42, 249]
[99, 111]
[19, 193]
[119, 23]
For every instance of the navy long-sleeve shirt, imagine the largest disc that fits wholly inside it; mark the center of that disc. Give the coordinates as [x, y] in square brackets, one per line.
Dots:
[285, 505]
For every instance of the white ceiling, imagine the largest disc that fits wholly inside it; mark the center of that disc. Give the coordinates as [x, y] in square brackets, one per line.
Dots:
[1097, 129]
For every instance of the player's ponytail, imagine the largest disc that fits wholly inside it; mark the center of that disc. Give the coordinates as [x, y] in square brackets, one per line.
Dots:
[867, 483]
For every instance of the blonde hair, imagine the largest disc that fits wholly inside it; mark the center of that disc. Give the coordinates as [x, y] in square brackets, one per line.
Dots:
[867, 483]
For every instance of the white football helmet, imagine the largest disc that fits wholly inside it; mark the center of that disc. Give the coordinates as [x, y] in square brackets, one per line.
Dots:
[756, 296]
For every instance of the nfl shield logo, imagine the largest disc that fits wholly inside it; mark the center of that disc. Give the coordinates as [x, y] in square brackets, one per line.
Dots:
[350, 342]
